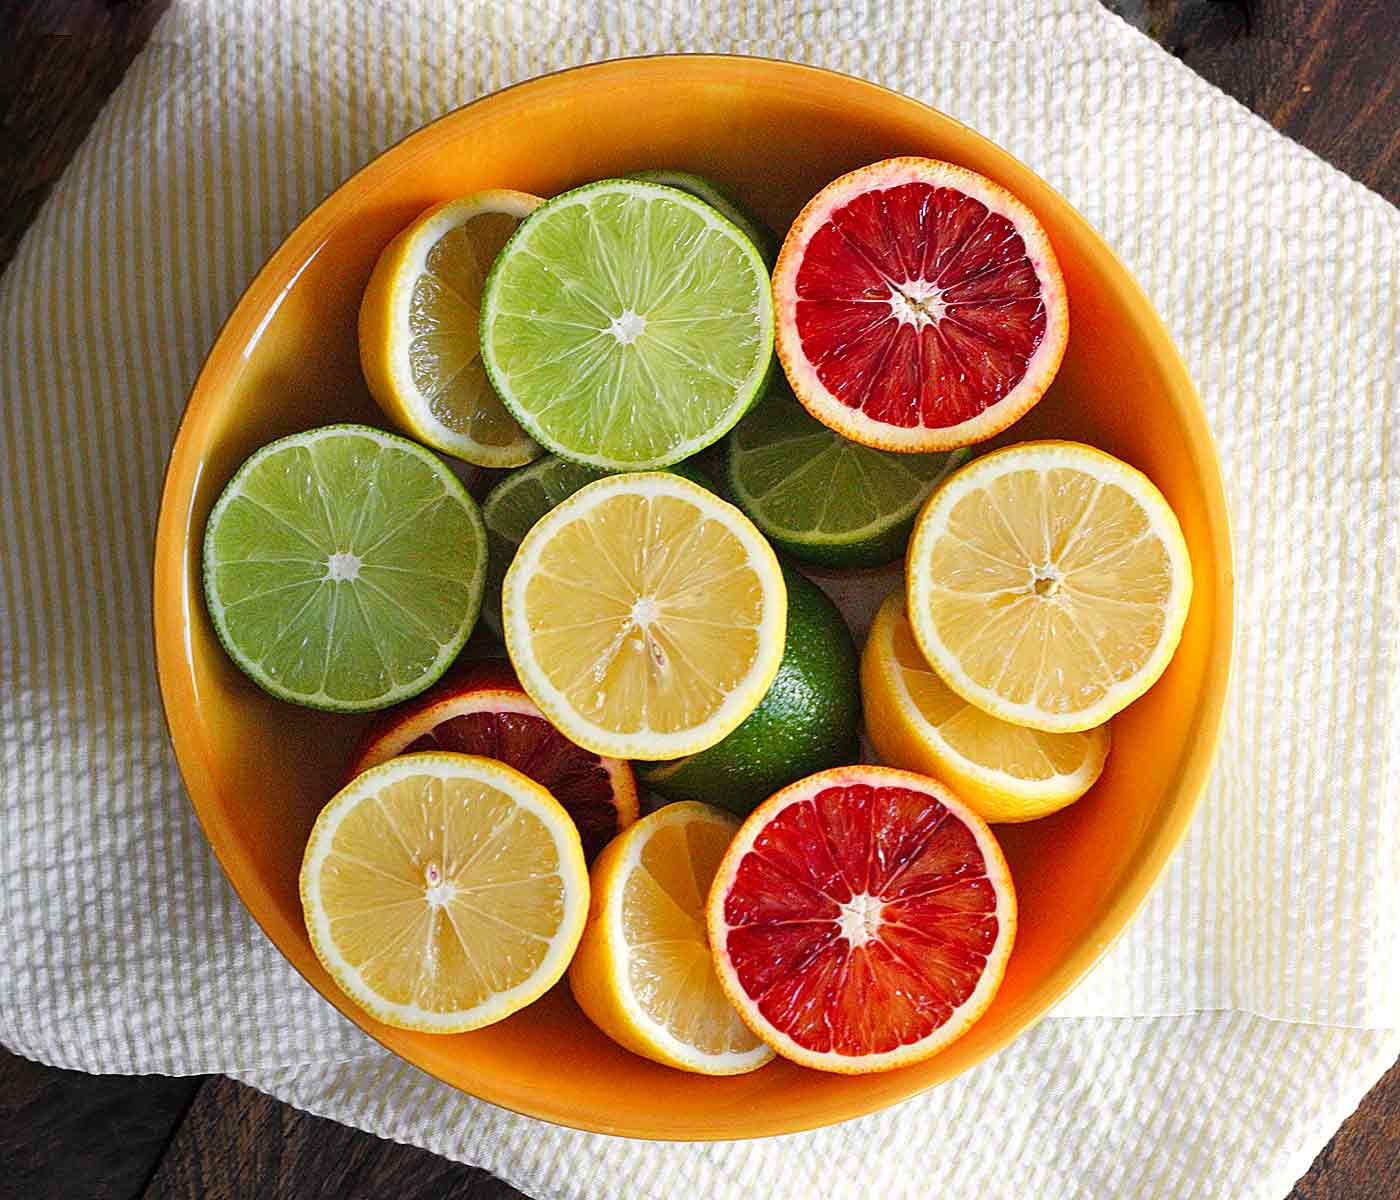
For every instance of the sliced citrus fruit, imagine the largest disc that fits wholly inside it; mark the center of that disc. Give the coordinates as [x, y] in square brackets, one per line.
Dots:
[444, 892]
[1048, 584]
[1003, 772]
[343, 568]
[725, 202]
[627, 325]
[822, 497]
[645, 616]
[419, 336]
[920, 306]
[808, 720]
[643, 971]
[483, 710]
[862, 919]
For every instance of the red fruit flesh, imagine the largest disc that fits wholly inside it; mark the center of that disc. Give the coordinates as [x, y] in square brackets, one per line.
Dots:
[918, 306]
[573, 776]
[861, 918]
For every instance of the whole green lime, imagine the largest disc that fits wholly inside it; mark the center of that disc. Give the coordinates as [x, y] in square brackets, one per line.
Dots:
[808, 721]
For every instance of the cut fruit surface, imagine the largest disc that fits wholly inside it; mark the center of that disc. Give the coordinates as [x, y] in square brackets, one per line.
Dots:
[1003, 772]
[643, 971]
[343, 568]
[627, 325]
[444, 892]
[511, 509]
[822, 497]
[862, 919]
[919, 306]
[645, 616]
[419, 329]
[1048, 584]
[483, 710]
[723, 201]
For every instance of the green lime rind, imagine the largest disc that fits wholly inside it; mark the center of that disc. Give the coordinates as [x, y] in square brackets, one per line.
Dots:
[820, 497]
[725, 202]
[807, 721]
[343, 568]
[627, 325]
[512, 507]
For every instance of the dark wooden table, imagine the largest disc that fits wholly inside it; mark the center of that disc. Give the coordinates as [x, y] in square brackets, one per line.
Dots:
[1326, 72]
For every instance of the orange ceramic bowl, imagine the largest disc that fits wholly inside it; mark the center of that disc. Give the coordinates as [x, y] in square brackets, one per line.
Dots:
[258, 771]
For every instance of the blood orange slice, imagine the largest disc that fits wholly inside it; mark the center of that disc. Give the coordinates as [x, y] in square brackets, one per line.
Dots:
[919, 306]
[861, 919]
[484, 711]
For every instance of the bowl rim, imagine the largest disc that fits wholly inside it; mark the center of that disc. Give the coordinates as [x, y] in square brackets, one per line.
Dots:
[172, 616]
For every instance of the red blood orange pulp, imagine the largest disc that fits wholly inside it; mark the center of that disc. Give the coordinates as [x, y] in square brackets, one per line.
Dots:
[920, 306]
[484, 710]
[861, 919]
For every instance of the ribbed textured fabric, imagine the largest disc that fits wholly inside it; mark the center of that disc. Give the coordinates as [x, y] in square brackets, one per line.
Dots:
[122, 948]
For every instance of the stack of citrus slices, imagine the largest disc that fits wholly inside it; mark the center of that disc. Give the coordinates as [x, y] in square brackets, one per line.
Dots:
[789, 899]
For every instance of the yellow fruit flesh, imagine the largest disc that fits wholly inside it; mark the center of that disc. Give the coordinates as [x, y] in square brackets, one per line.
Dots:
[1025, 754]
[1052, 585]
[442, 893]
[644, 614]
[444, 349]
[669, 968]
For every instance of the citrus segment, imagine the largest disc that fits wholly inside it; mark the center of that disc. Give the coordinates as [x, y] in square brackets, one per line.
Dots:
[862, 919]
[419, 336]
[443, 892]
[482, 710]
[920, 306]
[627, 325]
[822, 497]
[1003, 772]
[645, 616]
[643, 971]
[1048, 584]
[343, 568]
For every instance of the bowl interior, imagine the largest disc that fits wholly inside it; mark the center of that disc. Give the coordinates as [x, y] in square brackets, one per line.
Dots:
[258, 771]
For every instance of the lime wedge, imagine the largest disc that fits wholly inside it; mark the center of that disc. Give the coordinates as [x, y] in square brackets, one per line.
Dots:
[822, 498]
[511, 509]
[723, 201]
[627, 325]
[343, 568]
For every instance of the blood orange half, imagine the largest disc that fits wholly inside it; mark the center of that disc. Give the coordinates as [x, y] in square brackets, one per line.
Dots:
[919, 306]
[484, 711]
[861, 919]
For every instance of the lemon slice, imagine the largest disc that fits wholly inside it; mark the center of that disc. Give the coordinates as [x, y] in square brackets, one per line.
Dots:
[1048, 584]
[443, 892]
[1003, 772]
[645, 616]
[643, 972]
[420, 344]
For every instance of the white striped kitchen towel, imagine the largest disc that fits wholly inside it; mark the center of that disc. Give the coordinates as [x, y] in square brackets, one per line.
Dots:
[1253, 1001]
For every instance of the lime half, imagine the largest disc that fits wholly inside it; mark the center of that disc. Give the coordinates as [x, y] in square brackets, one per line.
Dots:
[723, 201]
[820, 497]
[343, 568]
[627, 325]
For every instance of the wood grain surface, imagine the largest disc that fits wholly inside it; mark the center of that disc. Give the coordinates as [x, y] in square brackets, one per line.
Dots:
[1326, 72]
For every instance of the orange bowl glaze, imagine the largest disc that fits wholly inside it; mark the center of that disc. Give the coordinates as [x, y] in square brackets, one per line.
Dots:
[258, 771]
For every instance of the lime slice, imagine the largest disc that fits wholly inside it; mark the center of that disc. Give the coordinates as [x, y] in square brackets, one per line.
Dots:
[343, 568]
[723, 201]
[627, 325]
[510, 511]
[820, 497]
